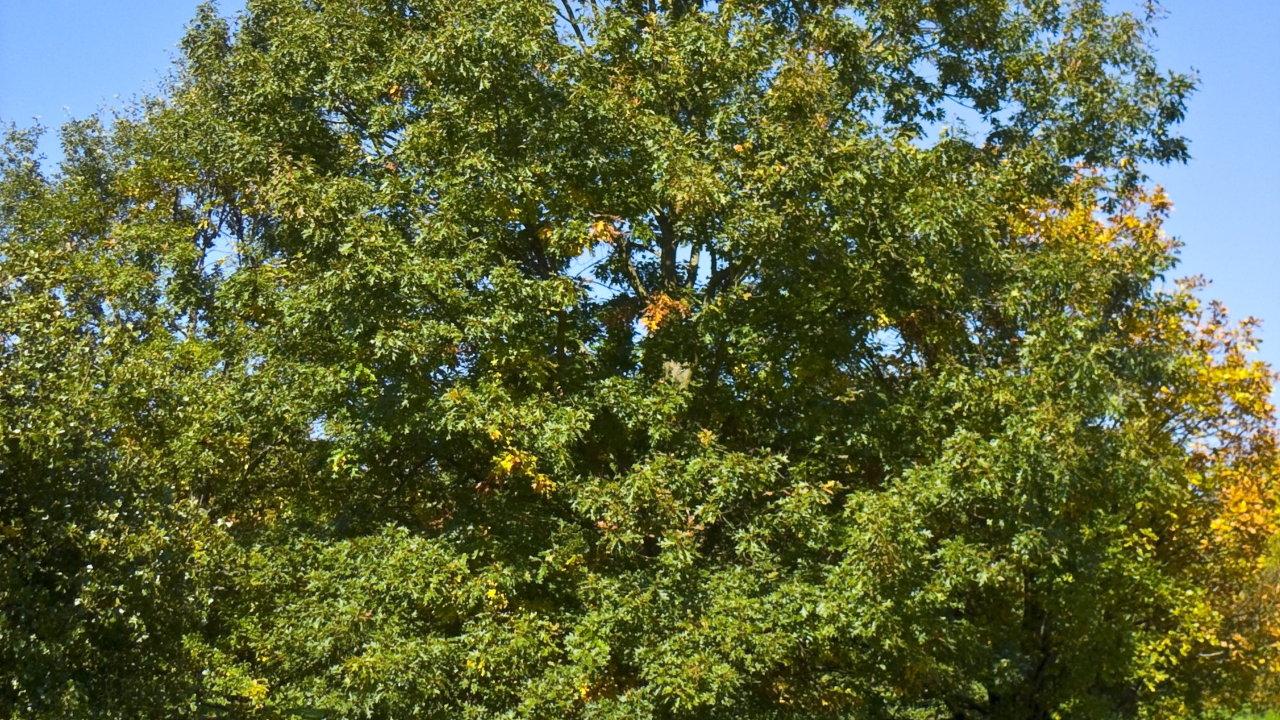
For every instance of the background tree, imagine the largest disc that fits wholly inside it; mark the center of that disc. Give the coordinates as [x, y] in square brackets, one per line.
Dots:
[634, 359]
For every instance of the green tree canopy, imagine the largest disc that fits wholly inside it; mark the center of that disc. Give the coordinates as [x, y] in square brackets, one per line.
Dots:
[609, 359]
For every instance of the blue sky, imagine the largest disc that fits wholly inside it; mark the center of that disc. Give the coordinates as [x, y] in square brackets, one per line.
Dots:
[82, 55]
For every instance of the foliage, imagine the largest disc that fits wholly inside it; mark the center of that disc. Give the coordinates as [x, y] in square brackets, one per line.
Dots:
[510, 358]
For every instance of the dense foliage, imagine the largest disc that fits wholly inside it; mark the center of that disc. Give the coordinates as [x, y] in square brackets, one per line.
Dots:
[628, 359]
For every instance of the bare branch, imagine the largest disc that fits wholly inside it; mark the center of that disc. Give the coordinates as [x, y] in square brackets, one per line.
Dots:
[667, 244]
[573, 23]
[629, 269]
[691, 269]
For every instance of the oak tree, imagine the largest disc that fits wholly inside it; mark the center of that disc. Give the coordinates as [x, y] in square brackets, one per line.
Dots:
[628, 359]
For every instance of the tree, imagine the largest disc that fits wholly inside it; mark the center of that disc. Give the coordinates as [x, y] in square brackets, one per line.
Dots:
[630, 359]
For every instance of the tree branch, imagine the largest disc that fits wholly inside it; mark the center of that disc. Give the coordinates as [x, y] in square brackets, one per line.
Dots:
[629, 269]
[668, 244]
[691, 269]
[573, 23]
[730, 274]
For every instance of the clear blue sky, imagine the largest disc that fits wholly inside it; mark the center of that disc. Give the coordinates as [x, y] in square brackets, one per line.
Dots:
[82, 54]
